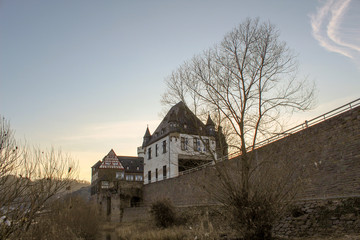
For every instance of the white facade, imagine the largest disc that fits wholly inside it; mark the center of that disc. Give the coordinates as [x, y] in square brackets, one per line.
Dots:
[162, 159]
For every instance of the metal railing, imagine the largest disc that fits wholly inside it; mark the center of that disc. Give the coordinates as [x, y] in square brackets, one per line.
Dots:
[229, 156]
[286, 133]
[195, 168]
[310, 123]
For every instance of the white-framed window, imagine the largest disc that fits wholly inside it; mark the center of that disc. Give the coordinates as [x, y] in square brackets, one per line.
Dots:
[197, 145]
[184, 143]
[164, 172]
[105, 184]
[164, 146]
[119, 175]
[129, 177]
[149, 153]
[138, 178]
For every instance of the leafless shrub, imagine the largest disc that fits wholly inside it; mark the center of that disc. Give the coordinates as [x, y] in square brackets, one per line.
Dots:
[29, 178]
[248, 82]
[70, 218]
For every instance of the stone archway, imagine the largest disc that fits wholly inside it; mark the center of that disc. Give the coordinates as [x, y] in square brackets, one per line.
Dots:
[135, 202]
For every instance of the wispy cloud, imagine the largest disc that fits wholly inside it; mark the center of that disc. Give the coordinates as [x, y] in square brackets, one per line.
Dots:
[336, 28]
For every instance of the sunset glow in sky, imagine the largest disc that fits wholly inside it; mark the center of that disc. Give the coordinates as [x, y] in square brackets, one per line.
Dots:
[87, 76]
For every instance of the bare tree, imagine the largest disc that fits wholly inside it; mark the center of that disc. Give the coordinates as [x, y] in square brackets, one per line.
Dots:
[29, 178]
[248, 81]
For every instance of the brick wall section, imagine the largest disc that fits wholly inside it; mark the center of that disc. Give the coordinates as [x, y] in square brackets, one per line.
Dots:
[330, 149]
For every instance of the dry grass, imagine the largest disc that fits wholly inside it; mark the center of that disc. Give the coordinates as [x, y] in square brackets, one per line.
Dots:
[148, 231]
[343, 237]
[155, 234]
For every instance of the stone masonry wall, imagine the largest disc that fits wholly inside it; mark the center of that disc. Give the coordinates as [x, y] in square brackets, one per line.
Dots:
[330, 149]
[184, 190]
[321, 217]
[304, 218]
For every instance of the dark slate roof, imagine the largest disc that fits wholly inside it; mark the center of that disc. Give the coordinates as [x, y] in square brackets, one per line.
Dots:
[175, 121]
[97, 165]
[132, 164]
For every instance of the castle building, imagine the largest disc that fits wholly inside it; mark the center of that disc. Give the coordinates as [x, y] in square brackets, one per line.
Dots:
[180, 142]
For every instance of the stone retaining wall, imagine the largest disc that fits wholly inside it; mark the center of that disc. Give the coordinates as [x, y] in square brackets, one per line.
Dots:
[304, 218]
[321, 217]
[331, 149]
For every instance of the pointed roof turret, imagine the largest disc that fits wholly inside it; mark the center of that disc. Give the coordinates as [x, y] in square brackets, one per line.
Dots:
[147, 132]
[146, 137]
[209, 121]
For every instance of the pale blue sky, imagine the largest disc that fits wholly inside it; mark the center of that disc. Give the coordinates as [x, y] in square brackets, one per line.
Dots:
[87, 76]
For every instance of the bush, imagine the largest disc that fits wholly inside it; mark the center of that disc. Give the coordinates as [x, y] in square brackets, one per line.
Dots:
[252, 217]
[72, 218]
[163, 213]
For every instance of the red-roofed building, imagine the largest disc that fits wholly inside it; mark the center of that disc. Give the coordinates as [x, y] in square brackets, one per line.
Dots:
[116, 183]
